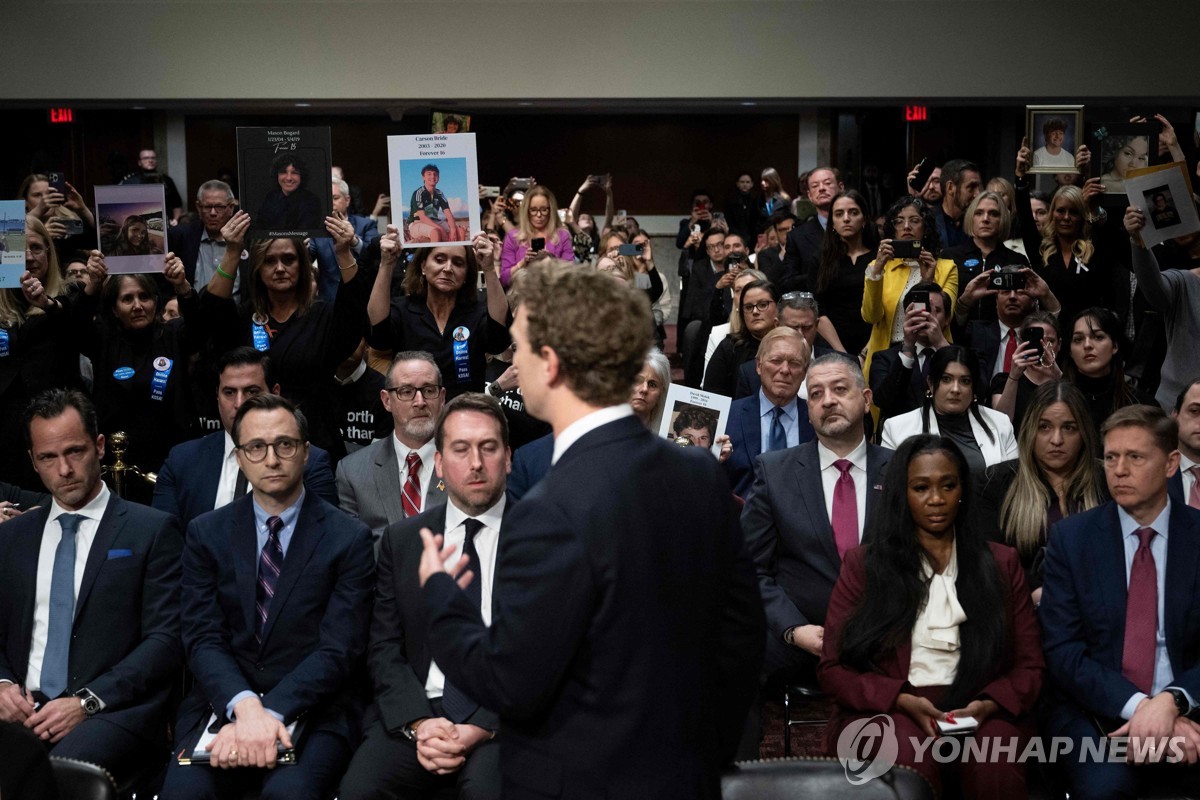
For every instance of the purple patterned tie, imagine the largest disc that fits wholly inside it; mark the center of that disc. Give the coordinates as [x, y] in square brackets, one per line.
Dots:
[845, 509]
[1141, 616]
[270, 561]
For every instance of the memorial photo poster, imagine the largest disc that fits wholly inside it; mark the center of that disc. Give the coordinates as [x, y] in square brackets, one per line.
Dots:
[131, 222]
[1053, 135]
[434, 180]
[449, 122]
[1163, 194]
[284, 174]
[12, 243]
[695, 416]
[1120, 147]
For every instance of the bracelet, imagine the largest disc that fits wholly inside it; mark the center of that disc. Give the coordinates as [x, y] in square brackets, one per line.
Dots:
[224, 274]
[1014, 380]
[352, 266]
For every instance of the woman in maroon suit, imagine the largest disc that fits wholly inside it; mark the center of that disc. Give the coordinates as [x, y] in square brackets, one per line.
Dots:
[929, 621]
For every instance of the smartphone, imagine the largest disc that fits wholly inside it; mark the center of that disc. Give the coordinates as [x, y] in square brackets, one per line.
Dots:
[619, 219]
[956, 726]
[1005, 280]
[491, 191]
[920, 299]
[630, 250]
[925, 169]
[1035, 335]
[906, 248]
[521, 183]
[538, 245]
[58, 182]
[74, 226]
[718, 215]
[696, 228]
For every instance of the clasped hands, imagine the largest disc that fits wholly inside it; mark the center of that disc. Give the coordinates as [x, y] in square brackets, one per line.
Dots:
[443, 747]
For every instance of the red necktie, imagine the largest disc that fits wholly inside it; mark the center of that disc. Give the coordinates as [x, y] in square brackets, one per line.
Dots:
[410, 495]
[1009, 349]
[1141, 616]
[845, 509]
[1194, 494]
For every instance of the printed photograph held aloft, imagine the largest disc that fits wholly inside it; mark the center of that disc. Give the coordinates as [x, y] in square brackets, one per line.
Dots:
[284, 177]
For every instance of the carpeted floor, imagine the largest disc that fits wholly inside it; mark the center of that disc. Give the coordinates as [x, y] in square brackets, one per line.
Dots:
[806, 739]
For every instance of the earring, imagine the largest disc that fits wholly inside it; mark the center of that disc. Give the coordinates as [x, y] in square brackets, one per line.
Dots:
[929, 393]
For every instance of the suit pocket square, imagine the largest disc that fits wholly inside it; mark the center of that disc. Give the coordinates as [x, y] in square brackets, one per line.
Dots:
[118, 554]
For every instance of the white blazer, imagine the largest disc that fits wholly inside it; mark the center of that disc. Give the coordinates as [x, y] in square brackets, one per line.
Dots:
[897, 429]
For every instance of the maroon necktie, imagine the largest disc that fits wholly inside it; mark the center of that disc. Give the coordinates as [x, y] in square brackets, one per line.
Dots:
[1009, 348]
[410, 495]
[270, 562]
[1141, 616]
[1194, 494]
[845, 509]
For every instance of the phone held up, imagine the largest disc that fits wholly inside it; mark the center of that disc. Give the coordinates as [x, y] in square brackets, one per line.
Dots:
[906, 248]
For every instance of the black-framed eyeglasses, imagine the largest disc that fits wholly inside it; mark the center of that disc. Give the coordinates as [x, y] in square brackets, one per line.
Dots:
[761, 305]
[407, 393]
[285, 447]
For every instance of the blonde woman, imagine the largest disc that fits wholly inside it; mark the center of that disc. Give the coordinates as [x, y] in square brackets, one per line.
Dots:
[537, 219]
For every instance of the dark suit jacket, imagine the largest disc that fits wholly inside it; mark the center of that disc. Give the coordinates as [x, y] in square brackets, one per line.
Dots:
[895, 388]
[801, 254]
[748, 381]
[399, 655]
[187, 483]
[983, 338]
[125, 642]
[368, 486]
[1083, 607]
[624, 605]
[744, 430]
[1014, 685]
[789, 535]
[529, 465]
[317, 629]
[1175, 487]
[328, 276]
[184, 241]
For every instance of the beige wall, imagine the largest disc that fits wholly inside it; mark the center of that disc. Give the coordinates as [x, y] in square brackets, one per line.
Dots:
[413, 51]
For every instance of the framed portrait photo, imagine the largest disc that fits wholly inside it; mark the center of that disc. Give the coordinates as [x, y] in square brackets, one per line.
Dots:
[1054, 134]
[1119, 147]
[694, 418]
[449, 122]
[1163, 194]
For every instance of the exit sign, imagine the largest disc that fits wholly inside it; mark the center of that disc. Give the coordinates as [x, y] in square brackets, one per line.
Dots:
[916, 113]
[61, 116]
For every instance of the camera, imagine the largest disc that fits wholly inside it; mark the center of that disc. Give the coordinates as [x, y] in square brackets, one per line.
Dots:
[1007, 279]
[735, 260]
[906, 248]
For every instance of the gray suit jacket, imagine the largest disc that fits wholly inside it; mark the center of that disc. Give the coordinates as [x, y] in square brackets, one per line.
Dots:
[368, 483]
[789, 536]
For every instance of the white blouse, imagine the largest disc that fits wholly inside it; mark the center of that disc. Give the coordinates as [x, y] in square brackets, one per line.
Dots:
[935, 635]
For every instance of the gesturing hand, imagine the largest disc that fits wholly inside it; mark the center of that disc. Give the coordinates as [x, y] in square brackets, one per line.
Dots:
[234, 231]
[434, 557]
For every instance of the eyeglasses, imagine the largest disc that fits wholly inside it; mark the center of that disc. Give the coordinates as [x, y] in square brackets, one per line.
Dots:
[407, 393]
[35, 249]
[215, 209]
[761, 305]
[285, 447]
[911, 222]
[541, 212]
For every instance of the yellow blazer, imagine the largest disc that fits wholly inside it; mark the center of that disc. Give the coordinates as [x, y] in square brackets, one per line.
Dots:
[881, 297]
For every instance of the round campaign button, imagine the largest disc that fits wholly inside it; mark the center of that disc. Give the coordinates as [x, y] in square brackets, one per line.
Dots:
[461, 334]
[123, 373]
[971, 263]
[162, 363]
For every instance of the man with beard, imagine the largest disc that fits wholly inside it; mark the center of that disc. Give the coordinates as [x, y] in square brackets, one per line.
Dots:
[961, 181]
[392, 478]
[808, 506]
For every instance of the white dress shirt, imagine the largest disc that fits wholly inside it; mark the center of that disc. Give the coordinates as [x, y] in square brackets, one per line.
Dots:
[585, 425]
[830, 475]
[424, 474]
[229, 472]
[486, 543]
[51, 536]
[935, 641]
[1185, 471]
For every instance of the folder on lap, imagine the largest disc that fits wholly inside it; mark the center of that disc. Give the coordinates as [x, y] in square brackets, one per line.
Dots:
[195, 752]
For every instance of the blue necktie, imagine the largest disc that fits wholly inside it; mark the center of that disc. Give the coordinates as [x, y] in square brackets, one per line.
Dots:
[62, 610]
[270, 564]
[456, 705]
[777, 439]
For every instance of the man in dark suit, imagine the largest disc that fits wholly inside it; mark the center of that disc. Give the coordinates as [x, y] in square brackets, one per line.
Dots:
[795, 538]
[708, 302]
[202, 474]
[996, 340]
[422, 735]
[277, 587]
[775, 417]
[1119, 627]
[365, 232]
[89, 603]
[1184, 485]
[769, 260]
[200, 245]
[607, 590]
[803, 248]
[900, 375]
[393, 477]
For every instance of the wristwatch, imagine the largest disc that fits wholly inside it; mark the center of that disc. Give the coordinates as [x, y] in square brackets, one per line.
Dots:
[1181, 702]
[409, 731]
[494, 389]
[91, 704]
[789, 636]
